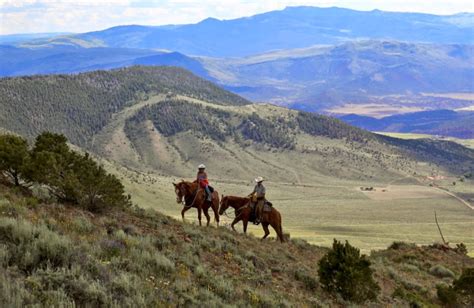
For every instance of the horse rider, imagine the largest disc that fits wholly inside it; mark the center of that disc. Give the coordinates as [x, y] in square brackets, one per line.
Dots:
[258, 199]
[203, 182]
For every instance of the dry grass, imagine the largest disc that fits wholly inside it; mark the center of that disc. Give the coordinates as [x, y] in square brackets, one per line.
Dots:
[373, 110]
[469, 143]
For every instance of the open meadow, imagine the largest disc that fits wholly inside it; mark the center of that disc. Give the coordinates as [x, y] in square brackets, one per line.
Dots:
[370, 220]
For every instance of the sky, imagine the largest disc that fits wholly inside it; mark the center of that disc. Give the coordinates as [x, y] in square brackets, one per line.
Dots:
[40, 16]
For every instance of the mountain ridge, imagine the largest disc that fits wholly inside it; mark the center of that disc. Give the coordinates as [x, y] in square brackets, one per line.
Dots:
[320, 26]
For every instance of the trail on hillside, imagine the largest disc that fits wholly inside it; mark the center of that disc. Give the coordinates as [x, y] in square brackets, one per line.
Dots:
[455, 197]
[435, 187]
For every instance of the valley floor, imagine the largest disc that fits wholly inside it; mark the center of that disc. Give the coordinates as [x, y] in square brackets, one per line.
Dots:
[371, 220]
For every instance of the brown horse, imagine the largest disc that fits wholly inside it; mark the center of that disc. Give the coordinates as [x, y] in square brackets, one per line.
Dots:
[244, 212]
[189, 194]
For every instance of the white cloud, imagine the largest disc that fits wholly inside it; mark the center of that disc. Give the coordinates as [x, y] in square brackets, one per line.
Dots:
[22, 16]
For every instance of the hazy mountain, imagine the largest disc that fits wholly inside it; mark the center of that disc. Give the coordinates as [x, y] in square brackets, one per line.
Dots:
[320, 77]
[24, 37]
[437, 122]
[293, 27]
[315, 78]
[66, 59]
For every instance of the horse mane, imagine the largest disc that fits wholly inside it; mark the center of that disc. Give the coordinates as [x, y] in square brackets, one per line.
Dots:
[188, 185]
[236, 199]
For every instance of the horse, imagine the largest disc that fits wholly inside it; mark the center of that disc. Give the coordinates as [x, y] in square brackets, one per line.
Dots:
[189, 194]
[243, 212]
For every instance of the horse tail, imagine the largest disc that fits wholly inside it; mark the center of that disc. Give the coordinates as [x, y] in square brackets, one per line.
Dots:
[280, 228]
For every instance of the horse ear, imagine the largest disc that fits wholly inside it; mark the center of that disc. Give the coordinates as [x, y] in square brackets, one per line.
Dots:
[174, 184]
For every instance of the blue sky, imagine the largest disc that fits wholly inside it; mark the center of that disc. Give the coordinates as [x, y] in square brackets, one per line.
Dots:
[29, 16]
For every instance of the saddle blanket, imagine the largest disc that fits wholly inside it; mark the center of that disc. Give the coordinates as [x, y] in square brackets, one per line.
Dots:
[267, 208]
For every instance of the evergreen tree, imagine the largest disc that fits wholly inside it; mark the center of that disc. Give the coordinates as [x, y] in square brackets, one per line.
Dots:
[343, 270]
[13, 156]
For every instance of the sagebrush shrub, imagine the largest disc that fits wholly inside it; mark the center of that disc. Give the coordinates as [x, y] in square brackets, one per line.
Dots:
[441, 271]
[309, 282]
[31, 247]
[344, 271]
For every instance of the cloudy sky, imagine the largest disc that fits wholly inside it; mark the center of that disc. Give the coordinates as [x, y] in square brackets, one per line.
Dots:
[34, 16]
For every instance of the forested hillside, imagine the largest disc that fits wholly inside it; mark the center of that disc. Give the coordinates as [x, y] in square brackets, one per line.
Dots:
[81, 105]
[114, 113]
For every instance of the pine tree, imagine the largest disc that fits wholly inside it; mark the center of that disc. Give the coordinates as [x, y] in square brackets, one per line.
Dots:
[13, 156]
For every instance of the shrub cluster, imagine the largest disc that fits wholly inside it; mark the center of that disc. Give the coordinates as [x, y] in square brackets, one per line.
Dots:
[344, 271]
[461, 293]
[69, 176]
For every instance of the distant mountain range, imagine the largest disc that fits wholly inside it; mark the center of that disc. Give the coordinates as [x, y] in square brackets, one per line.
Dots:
[320, 77]
[437, 122]
[293, 27]
[18, 61]
[25, 37]
[307, 58]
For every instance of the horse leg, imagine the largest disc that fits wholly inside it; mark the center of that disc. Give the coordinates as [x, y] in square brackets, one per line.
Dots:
[245, 222]
[199, 215]
[215, 208]
[279, 231]
[236, 220]
[206, 213]
[265, 228]
[184, 211]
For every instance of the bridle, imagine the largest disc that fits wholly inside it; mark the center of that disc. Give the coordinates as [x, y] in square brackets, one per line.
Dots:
[239, 210]
[183, 198]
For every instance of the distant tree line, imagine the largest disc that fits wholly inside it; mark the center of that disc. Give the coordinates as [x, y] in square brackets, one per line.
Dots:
[319, 125]
[69, 176]
[175, 116]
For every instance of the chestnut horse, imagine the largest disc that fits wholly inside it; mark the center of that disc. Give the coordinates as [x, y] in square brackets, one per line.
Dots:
[244, 212]
[189, 194]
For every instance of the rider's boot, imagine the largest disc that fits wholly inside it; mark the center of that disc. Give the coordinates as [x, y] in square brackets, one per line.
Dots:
[209, 195]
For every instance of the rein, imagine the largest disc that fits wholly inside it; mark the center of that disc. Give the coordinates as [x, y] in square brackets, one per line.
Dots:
[236, 210]
[194, 200]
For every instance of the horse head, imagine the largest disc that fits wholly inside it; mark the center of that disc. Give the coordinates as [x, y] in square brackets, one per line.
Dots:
[180, 190]
[224, 204]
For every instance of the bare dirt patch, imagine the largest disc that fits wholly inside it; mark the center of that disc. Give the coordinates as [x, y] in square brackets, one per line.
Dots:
[394, 192]
[373, 110]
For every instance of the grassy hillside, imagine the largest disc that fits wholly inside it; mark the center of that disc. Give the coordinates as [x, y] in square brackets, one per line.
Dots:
[81, 105]
[55, 255]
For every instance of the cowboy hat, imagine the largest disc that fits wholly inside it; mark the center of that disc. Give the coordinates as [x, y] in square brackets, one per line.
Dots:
[201, 166]
[258, 179]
